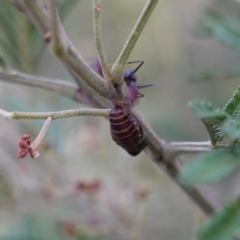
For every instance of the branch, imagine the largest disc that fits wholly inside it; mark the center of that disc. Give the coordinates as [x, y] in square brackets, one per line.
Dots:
[56, 115]
[33, 11]
[59, 86]
[42, 133]
[98, 40]
[120, 63]
[174, 149]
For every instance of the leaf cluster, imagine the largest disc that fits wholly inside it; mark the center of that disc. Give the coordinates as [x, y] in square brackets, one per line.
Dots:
[223, 127]
[222, 160]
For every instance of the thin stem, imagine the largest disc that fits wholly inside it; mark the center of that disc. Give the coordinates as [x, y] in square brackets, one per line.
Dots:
[87, 94]
[174, 149]
[119, 65]
[57, 43]
[42, 133]
[34, 12]
[56, 115]
[98, 40]
[59, 86]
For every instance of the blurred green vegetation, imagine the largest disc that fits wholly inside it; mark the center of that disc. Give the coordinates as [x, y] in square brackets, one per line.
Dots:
[35, 198]
[21, 43]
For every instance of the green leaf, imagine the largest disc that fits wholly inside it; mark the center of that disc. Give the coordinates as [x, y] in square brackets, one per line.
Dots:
[215, 25]
[233, 105]
[210, 167]
[213, 130]
[205, 110]
[231, 128]
[223, 225]
[210, 117]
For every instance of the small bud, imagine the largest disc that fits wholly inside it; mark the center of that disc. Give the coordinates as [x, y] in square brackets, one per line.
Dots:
[47, 37]
[143, 190]
[24, 148]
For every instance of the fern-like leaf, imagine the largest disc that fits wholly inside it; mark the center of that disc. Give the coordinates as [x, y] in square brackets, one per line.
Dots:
[213, 130]
[214, 24]
[211, 119]
[233, 105]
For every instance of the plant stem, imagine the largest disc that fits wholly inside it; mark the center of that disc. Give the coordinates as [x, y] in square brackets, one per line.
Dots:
[119, 65]
[56, 115]
[42, 133]
[98, 40]
[38, 17]
[59, 86]
[174, 149]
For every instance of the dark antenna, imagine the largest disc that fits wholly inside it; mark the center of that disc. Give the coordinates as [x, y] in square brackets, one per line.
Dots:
[135, 70]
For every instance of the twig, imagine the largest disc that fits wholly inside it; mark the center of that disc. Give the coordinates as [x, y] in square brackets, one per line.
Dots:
[119, 65]
[42, 133]
[98, 40]
[57, 41]
[56, 115]
[174, 149]
[38, 17]
[59, 86]
[88, 95]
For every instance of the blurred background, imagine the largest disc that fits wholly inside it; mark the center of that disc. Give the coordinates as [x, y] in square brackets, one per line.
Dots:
[83, 186]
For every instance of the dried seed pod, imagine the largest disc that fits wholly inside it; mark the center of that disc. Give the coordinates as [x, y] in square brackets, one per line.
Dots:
[126, 131]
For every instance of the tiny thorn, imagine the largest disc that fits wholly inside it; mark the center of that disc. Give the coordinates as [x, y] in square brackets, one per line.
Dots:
[47, 37]
[97, 8]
